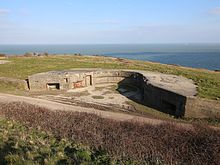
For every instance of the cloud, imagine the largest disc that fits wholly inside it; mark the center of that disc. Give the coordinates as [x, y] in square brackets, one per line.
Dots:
[4, 11]
[215, 11]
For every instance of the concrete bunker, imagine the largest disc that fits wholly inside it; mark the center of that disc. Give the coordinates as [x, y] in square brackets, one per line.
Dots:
[60, 80]
[166, 93]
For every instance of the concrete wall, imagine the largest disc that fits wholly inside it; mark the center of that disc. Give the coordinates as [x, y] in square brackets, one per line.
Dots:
[40, 82]
[153, 96]
[44, 81]
[158, 98]
[103, 77]
[164, 100]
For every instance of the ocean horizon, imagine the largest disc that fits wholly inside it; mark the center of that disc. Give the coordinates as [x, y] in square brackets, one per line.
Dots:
[205, 56]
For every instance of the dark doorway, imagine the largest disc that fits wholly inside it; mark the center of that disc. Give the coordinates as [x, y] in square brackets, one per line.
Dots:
[168, 107]
[88, 80]
[28, 84]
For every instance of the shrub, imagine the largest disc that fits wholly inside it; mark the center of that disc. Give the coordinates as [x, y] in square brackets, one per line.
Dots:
[28, 54]
[21, 145]
[125, 141]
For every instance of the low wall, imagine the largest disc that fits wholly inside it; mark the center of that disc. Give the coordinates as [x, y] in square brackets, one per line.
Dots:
[103, 77]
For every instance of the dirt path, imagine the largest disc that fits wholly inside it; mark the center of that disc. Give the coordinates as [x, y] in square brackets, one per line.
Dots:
[7, 98]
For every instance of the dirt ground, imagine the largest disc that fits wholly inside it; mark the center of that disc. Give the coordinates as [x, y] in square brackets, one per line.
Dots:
[54, 106]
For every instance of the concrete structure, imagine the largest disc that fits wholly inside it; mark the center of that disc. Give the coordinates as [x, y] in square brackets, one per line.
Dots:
[167, 93]
[60, 80]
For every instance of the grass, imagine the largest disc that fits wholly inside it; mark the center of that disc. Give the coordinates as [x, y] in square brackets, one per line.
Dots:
[4, 86]
[123, 142]
[10, 86]
[21, 67]
[209, 121]
[109, 141]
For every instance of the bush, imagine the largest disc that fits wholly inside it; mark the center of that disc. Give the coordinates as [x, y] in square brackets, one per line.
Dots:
[21, 145]
[125, 141]
[2, 55]
[28, 54]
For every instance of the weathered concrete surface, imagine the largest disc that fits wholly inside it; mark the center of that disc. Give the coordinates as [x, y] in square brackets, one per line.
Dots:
[61, 80]
[177, 84]
[167, 93]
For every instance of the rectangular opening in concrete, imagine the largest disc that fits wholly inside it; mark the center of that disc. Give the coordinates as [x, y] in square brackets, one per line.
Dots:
[78, 84]
[53, 86]
[168, 107]
[66, 80]
[88, 80]
[28, 84]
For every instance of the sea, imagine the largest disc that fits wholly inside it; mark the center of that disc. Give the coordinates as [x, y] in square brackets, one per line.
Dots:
[205, 56]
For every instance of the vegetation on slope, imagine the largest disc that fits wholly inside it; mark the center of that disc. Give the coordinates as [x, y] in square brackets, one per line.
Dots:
[21, 67]
[123, 141]
[22, 145]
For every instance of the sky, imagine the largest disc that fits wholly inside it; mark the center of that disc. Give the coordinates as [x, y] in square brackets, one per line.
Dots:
[109, 21]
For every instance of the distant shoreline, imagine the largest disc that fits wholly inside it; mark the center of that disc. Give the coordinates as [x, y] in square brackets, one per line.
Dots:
[205, 56]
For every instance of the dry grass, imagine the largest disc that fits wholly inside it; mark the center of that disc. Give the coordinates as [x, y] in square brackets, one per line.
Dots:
[124, 141]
